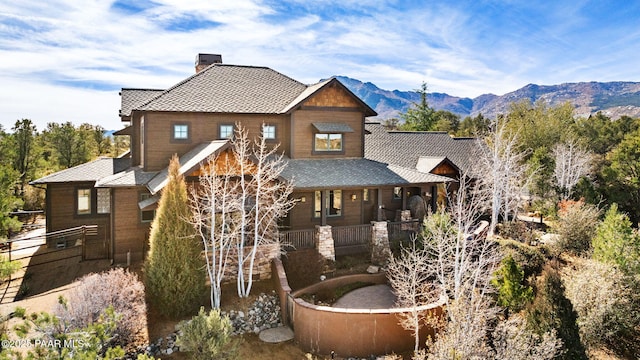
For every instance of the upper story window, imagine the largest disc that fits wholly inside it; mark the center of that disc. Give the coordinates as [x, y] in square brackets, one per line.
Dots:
[180, 132]
[269, 132]
[328, 142]
[226, 131]
[83, 202]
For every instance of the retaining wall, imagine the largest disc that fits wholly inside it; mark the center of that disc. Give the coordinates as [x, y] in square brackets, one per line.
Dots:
[347, 332]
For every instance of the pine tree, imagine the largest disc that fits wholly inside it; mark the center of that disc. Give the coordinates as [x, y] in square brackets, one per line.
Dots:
[174, 269]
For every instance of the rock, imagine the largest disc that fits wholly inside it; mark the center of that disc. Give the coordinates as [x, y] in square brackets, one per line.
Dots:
[372, 269]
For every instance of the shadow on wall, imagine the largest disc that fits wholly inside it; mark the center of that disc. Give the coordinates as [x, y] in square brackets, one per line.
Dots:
[347, 332]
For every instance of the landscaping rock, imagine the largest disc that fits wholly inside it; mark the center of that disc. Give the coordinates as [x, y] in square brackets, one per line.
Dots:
[372, 269]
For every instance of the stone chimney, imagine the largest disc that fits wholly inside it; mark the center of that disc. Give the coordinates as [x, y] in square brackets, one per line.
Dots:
[204, 60]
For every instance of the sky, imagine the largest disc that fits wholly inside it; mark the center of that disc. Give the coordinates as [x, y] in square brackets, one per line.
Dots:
[66, 60]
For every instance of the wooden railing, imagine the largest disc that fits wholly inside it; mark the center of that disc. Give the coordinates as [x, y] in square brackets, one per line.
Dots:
[401, 231]
[351, 239]
[298, 239]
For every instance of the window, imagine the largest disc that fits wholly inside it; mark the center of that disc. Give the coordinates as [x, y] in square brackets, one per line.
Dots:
[146, 215]
[181, 132]
[328, 142]
[397, 193]
[226, 131]
[84, 202]
[365, 195]
[333, 203]
[269, 132]
[104, 200]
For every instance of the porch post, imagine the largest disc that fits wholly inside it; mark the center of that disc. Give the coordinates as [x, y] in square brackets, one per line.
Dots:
[380, 209]
[323, 207]
[324, 242]
[380, 249]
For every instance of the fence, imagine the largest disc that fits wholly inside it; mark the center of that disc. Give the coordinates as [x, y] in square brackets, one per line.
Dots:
[352, 239]
[298, 239]
[402, 231]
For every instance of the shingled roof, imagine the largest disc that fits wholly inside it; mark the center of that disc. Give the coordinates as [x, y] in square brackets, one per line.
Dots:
[404, 148]
[87, 172]
[133, 98]
[225, 88]
[345, 173]
[222, 88]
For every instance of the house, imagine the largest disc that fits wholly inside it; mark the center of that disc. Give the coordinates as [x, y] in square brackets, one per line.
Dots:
[320, 128]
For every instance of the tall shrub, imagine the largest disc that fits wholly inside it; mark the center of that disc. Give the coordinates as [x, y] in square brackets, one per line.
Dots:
[617, 243]
[174, 269]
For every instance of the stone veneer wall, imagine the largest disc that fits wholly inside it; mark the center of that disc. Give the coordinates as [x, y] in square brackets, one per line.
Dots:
[380, 250]
[261, 267]
[324, 242]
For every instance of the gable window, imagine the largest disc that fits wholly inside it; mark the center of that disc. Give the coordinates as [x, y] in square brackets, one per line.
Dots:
[226, 131]
[180, 132]
[146, 215]
[103, 197]
[83, 202]
[332, 206]
[269, 132]
[328, 142]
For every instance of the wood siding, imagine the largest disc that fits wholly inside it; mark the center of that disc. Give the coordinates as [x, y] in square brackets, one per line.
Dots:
[304, 133]
[159, 146]
[332, 96]
[61, 212]
[130, 234]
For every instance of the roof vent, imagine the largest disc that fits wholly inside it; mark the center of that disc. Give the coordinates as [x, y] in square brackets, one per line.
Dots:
[204, 60]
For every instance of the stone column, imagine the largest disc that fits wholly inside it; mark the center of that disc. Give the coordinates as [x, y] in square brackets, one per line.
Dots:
[405, 215]
[380, 250]
[324, 242]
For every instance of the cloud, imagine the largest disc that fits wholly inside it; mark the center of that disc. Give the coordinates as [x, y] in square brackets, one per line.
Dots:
[64, 52]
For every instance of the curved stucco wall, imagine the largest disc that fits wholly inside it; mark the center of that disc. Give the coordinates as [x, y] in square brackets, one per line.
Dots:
[347, 332]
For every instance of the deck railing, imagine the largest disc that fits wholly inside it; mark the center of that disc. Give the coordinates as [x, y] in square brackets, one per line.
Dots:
[402, 231]
[298, 239]
[351, 239]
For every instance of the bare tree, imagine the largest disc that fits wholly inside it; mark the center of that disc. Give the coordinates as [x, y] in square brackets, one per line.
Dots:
[502, 172]
[459, 262]
[270, 201]
[572, 163]
[409, 277]
[237, 206]
[215, 214]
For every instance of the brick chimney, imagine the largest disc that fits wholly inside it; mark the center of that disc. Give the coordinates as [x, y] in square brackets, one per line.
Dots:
[204, 60]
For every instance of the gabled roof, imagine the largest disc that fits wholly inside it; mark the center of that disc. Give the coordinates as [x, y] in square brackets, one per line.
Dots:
[404, 148]
[429, 163]
[133, 98]
[345, 173]
[222, 88]
[188, 162]
[87, 172]
[225, 88]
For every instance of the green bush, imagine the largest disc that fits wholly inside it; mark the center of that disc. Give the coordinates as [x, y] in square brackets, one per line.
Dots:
[617, 243]
[552, 311]
[529, 258]
[513, 294]
[207, 336]
[174, 269]
[8, 268]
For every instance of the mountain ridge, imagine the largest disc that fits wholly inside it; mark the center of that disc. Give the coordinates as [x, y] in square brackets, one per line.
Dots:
[614, 99]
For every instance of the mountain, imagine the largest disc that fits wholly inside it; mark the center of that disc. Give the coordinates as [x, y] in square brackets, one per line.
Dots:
[614, 99]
